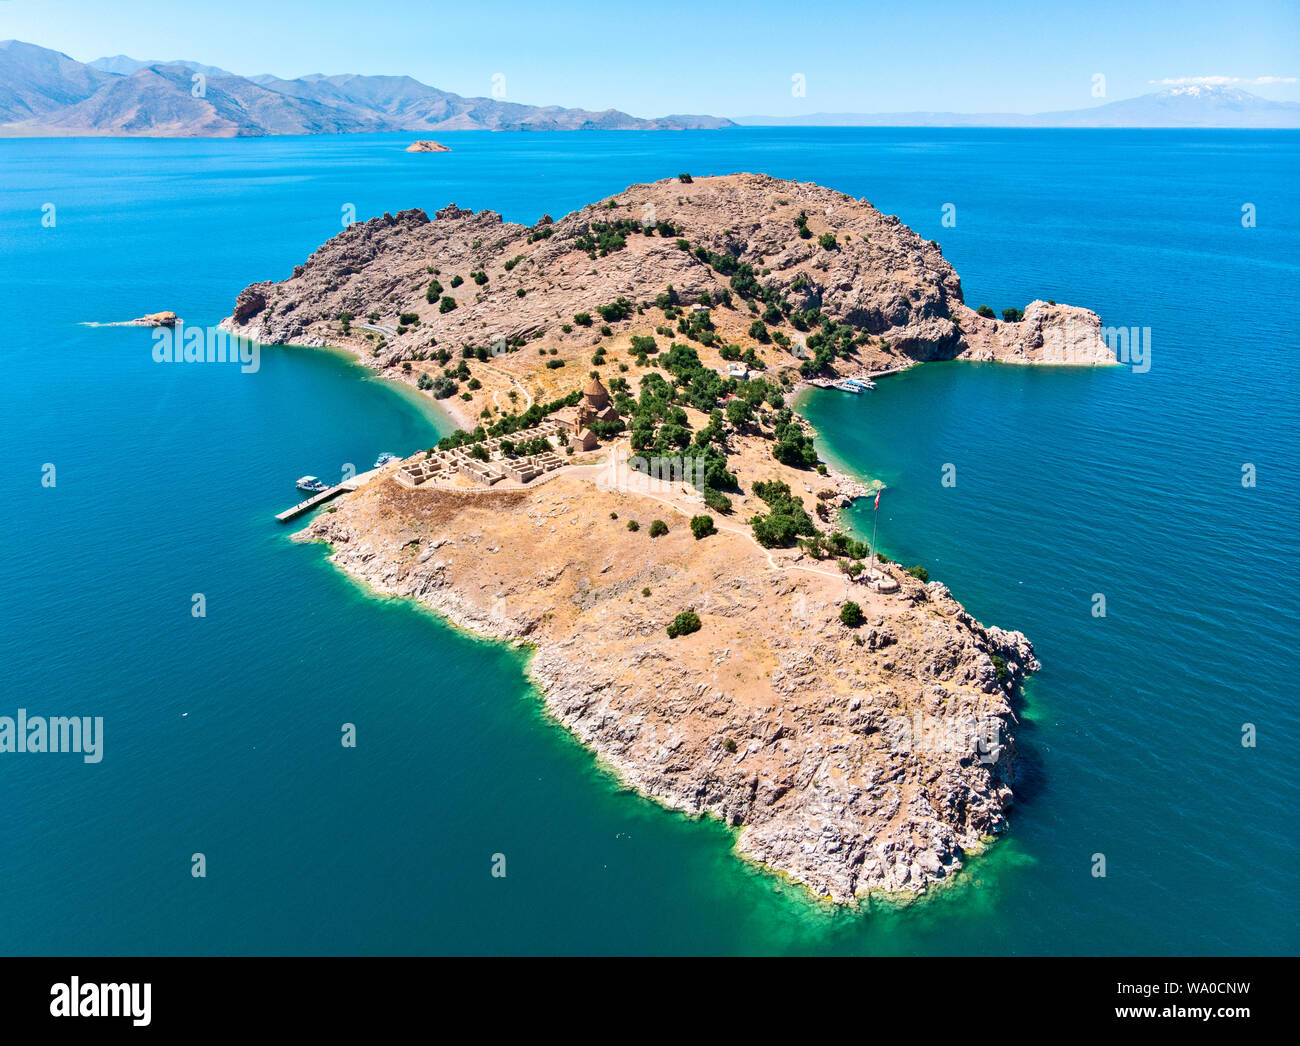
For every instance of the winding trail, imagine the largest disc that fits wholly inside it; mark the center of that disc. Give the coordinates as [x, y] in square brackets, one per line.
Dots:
[528, 398]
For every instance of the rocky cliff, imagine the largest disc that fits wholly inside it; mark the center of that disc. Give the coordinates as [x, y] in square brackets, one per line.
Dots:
[812, 251]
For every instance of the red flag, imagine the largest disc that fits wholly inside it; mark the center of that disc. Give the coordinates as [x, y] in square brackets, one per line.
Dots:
[877, 506]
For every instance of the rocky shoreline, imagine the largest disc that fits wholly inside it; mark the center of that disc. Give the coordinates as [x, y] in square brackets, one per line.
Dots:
[853, 760]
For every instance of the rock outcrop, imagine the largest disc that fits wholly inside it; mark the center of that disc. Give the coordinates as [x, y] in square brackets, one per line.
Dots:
[166, 318]
[427, 147]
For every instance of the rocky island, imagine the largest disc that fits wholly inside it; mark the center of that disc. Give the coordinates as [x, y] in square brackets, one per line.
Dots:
[631, 492]
[427, 147]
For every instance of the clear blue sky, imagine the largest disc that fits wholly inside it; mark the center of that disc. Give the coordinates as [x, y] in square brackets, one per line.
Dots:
[728, 59]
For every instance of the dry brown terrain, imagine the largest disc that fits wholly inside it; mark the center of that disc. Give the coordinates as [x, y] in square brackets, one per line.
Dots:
[774, 716]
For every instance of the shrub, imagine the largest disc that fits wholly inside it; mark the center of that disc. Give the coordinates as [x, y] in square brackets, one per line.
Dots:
[716, 500]
[633, 525]
[827, 241]
[582, 319]
[615, 311]
[793, 446]
[685, 179]
[520, 293]
[729, 744]
[554, 364]
[999, 666]
[447, 304]
[851, 614]
[984, 311]
[442, 386]
[786, 521]
[408, 318]
[919, 572]
[702, 526]
[684, 624]
[658, 527]
[456, 281]
[739, 412]
[1013, 315]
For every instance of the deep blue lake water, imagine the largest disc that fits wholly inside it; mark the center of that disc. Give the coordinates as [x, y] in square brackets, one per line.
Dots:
[222, 732]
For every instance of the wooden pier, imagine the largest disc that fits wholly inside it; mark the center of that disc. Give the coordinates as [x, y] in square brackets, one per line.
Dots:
[325, 495]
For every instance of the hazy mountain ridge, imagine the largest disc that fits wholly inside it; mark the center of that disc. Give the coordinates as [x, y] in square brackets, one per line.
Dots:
[46, 93]
[1195, 105]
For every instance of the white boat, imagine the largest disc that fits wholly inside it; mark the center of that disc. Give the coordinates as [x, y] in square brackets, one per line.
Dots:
[848, 386]
[861, 383]
[310, 485]
[384, 459]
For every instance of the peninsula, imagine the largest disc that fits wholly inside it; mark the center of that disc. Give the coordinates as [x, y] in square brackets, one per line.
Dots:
[631, 492]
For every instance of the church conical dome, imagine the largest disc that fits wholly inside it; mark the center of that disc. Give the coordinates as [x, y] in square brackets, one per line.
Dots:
[596, 395]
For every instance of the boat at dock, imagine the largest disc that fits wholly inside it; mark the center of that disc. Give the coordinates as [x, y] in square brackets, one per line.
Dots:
[384, 459]
[848, 386]
[310, 485]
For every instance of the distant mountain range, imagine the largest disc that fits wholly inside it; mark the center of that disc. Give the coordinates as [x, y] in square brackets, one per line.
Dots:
[1190, 106]
[46, 93]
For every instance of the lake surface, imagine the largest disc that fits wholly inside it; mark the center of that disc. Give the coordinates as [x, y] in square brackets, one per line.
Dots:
[221, 733]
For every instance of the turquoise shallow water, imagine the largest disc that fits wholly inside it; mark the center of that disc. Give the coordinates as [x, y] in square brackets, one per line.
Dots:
[222, 733]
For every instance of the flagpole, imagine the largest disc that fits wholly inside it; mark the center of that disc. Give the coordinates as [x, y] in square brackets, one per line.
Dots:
[875, 518]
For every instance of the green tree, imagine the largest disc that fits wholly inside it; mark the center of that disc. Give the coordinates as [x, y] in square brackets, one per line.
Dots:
[684, 624]
[702, 526]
